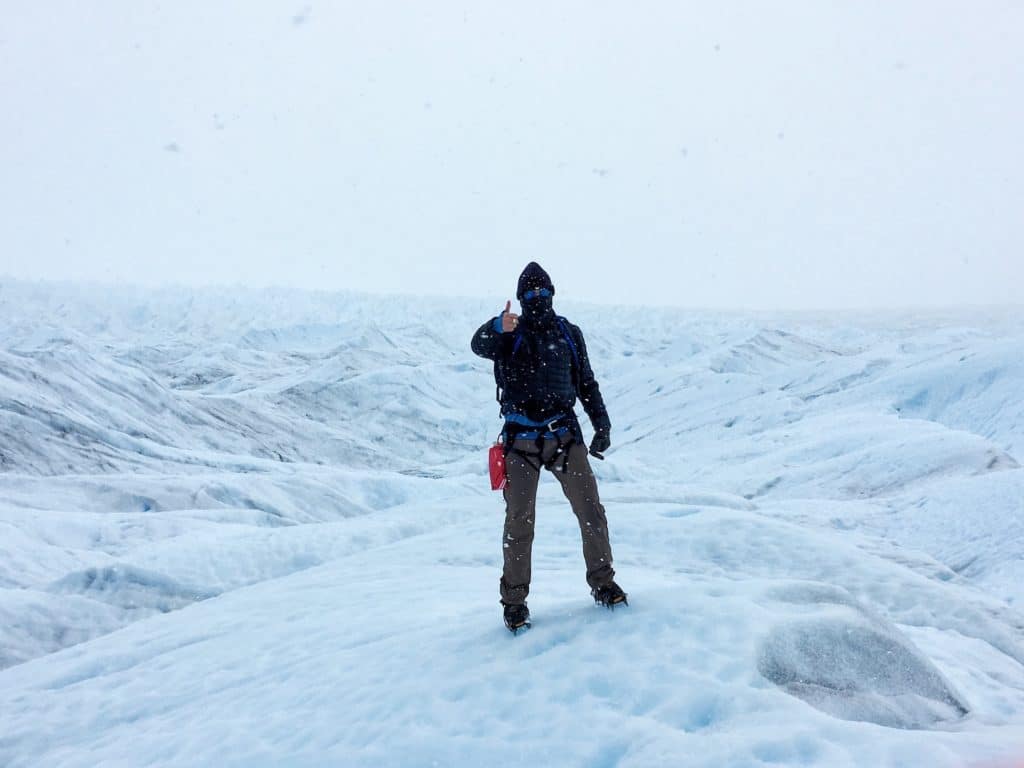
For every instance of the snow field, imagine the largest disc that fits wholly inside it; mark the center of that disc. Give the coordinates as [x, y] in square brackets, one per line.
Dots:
[253, 529]
[367, 660]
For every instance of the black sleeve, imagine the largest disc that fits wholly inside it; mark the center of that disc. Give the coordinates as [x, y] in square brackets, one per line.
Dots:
[486, 341]
[588, 390]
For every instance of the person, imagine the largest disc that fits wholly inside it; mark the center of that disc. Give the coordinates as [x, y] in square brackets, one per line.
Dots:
[541, 367]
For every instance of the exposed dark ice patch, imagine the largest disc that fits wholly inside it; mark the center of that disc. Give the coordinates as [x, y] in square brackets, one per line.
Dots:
[811, 593]
[855, 666]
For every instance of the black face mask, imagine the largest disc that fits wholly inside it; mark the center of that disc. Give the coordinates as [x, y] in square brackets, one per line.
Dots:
[539, 311]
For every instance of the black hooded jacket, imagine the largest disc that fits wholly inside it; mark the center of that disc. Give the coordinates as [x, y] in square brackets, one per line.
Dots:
[542, 377]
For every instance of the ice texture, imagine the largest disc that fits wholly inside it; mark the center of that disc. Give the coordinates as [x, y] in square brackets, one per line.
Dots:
[243, 527]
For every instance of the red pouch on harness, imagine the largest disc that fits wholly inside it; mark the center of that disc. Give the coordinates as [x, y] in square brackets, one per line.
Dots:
[496, 460]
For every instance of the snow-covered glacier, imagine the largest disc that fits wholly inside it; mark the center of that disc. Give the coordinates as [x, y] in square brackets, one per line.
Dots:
[253, 527]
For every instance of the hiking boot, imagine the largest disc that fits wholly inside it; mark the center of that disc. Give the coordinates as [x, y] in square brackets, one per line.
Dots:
[517, 617]
[609, 595]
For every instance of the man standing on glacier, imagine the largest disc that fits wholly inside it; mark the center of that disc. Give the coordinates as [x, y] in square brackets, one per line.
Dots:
[541, 367]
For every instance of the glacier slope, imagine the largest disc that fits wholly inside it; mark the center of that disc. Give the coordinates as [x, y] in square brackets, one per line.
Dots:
[251, 527]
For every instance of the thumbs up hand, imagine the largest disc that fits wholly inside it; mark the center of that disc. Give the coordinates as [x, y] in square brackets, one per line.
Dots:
[509, 322]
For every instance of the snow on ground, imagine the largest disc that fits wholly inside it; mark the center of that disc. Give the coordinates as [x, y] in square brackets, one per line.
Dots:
[253, 528]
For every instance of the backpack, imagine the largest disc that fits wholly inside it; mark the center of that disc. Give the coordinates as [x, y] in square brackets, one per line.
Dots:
[499, 372]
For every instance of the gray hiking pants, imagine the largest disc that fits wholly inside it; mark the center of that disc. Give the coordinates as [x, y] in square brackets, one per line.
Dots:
[580, 488]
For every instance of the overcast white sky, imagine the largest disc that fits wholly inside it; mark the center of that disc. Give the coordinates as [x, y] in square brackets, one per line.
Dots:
[743, 155]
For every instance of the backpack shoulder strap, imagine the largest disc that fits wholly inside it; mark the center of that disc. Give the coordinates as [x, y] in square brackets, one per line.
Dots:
[564, 325]
[576, 373]
[499, 370]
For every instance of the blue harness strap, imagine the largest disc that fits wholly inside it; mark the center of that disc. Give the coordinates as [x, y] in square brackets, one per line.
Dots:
[529, 429]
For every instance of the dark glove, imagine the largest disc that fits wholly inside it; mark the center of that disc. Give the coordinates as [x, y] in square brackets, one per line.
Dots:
[602, 442]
